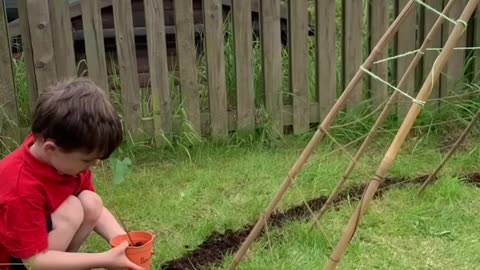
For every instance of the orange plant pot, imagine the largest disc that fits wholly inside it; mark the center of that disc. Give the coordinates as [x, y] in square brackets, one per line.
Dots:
[141, 253]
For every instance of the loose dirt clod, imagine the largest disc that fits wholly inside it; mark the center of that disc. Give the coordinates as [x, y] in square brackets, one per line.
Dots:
[213, 250]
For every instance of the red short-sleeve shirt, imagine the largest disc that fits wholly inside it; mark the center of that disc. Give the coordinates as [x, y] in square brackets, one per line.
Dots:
[30, 190]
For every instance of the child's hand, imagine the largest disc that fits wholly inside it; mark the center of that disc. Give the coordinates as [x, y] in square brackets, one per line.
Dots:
[118, 259]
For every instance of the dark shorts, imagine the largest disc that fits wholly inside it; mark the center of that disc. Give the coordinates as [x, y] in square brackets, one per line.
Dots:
[17, 263]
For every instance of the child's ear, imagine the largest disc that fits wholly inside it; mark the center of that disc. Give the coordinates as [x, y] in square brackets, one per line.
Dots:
[49, 146]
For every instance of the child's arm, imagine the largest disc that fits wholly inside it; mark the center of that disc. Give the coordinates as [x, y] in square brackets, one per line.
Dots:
[114, 258]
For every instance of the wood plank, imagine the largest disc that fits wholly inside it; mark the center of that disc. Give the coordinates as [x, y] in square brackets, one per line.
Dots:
[8, 104]
[217, 93]
[326, 62]
[352, 47]
[406, 43]
[430, 56]
[272, 65]
[122, 13]
[62, 39]
[298, 57]
[476, 42]
[27, 52]
[42, 44]
[242, 34]
[94, 42]
[157, 59]
[379, 23]
[187, 62]
[453, 77]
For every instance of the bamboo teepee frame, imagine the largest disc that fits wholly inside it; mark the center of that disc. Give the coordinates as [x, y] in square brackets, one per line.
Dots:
[396, 144]
[401, 135]
[321, 131]
[383, 115]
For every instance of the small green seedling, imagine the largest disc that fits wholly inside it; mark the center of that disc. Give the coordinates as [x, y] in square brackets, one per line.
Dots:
[120, 170]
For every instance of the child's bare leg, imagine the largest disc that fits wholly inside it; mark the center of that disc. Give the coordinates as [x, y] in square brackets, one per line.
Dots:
[92, 210]
[107, 226]
[66, 221]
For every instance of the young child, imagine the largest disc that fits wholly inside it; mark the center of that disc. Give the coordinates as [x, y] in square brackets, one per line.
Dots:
[48, 204]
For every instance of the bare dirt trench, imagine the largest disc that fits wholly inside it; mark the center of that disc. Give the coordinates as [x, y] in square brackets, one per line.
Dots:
[212, 251]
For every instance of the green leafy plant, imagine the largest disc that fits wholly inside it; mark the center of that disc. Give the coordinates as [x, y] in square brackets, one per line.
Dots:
[120, 170]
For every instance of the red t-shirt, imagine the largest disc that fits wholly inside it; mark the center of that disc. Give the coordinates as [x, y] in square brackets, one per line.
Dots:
[29, 191]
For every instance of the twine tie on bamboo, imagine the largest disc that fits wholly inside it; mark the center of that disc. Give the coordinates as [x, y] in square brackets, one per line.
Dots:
[441, 14]
[414, 100]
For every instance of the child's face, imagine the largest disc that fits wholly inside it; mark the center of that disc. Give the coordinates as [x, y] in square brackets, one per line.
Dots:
[71, 163]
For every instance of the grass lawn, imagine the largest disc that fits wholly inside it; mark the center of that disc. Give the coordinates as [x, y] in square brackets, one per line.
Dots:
[185, 198]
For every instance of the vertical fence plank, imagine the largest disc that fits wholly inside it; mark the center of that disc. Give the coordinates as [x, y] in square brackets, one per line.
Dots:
[8, 103]
[242, 34]
[122, 14]
[186, 54]
[272, 65]
[352, 46]
[298, 56]
[476, 42]
[42, 44]
[378, 25]
[94, 43]
[215, 66]
[157, 55]
[454, 71]
[27, 52]
[326, 64]
[405, 43]
[62, 39]
[430, 56]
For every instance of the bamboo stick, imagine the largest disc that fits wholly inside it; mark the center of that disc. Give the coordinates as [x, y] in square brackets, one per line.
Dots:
[320, 133]
[383, 115]
[400, 137]
[450, 153]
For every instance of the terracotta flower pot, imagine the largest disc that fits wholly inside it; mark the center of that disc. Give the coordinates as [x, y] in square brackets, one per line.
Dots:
[142, 250]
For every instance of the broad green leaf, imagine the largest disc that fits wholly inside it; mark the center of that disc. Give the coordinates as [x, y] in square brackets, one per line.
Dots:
[120, 169]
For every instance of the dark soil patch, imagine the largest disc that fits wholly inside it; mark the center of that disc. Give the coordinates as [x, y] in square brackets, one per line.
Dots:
[213, 250]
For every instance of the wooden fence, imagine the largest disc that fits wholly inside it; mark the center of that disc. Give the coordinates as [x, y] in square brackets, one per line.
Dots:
[325, 45]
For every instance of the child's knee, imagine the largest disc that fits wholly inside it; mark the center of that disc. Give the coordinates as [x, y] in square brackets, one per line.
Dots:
[69, 214]
[92, 206]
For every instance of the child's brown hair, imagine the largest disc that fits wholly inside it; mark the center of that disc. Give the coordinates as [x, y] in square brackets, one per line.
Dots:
[78, 116]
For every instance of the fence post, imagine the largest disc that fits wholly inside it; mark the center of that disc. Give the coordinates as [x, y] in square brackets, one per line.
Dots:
[453, 76]
[272, 65]
[242, 28]
[9, 129]
[94, 44]
[406, 42]
[157, 55]
[299, 54]
[326, 57]
[27, 52]
[62, 39]
[42, 44]
[379, 10]
[187, 61]
[217, 94]
[127, 61]
[476, 42]
[352, 47]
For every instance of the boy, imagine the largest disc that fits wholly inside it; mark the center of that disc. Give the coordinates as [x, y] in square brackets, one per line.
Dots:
[48, 204]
